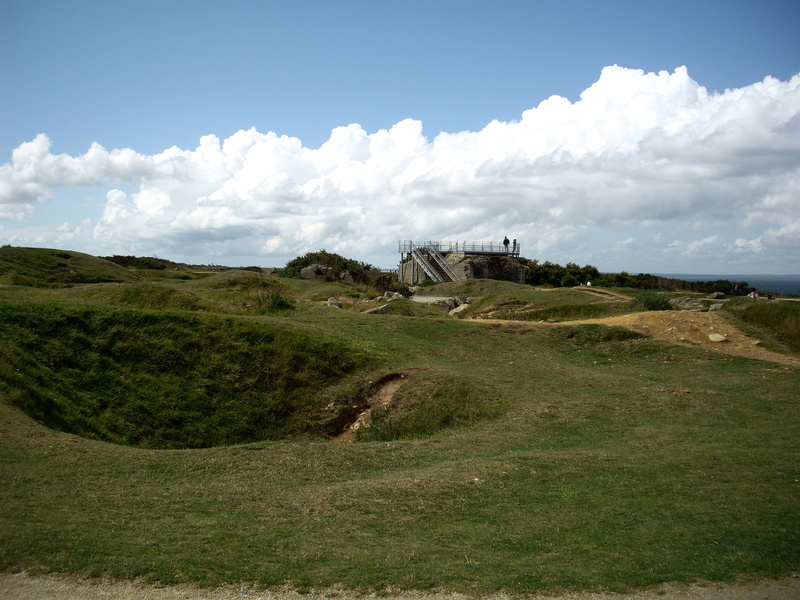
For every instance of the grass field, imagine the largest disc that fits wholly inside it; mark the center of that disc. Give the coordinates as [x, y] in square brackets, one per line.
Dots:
[578, 457]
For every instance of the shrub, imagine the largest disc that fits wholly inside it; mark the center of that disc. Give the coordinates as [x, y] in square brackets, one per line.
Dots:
[338, 263]
[650, 300]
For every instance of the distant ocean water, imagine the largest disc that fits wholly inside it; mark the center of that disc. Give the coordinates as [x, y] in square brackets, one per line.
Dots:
[778, 284]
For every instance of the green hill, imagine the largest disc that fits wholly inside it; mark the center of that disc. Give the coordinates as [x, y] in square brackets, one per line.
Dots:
[176, 430]
[44, 267]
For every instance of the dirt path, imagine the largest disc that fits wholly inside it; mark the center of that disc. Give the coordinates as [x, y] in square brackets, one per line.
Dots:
[55, 587]
[683, 327]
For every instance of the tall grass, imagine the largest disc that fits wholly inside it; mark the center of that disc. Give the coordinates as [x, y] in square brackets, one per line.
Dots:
[781, 319]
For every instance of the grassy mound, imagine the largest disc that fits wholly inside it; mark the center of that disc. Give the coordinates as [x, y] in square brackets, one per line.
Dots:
[43, 267]
[168, 380]
[430, 403]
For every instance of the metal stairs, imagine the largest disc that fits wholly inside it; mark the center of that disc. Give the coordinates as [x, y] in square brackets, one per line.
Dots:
[433, 263]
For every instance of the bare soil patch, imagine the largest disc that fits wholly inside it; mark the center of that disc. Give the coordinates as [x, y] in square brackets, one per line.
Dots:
[20, 586]
[382, 395]
[686, 328]
[693, 329]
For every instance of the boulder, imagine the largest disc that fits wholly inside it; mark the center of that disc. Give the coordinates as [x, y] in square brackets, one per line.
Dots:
[378, 310]
[320, 272]
[717, 337]
[347, 279]
[716, 296]
[334, 302]
[459, 308]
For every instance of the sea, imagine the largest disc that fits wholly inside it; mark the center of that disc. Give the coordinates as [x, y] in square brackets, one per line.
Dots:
[777, 284]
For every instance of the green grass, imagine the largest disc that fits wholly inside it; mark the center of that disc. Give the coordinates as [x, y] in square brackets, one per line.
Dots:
[516, 459]
[781, 319]
[430, 403]
[169, 379]
[45, 267]
[510, 301]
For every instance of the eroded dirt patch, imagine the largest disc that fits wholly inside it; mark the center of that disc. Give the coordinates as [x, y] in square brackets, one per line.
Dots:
[382, 395]
[681, 327]
[695, 329]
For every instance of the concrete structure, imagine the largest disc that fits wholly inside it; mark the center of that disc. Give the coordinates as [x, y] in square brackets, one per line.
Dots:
[449, 261]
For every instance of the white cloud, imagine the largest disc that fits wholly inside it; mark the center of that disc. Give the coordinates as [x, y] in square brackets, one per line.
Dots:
[641, 158]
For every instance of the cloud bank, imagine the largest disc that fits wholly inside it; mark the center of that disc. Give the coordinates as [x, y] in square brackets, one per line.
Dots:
[645, 171]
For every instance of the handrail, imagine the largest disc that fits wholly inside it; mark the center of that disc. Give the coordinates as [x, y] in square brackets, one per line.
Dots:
[426, 266]
[468, 247]
[444, 264]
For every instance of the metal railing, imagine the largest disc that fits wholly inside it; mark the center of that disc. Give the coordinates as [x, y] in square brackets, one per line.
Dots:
[512, 249]
[449, 271]
[426, 266]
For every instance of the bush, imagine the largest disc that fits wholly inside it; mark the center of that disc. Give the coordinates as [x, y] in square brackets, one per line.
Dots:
[650, 300]
[339, 264]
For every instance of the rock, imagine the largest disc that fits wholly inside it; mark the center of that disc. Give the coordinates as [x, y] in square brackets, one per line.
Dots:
[387, 295]
[379, 310]
[459, 308]
[716, 296]
[717, 337]
[715, 306]
[415, 289]
[320, 272]
[506, 268]
[445, 305]
[334, 302]
[680, 300]
[347, 279]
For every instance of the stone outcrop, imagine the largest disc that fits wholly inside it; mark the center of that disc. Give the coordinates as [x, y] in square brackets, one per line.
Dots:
[320, 272]
[506, 268]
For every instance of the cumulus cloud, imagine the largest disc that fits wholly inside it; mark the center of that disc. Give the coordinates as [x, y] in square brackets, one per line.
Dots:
[641, 161]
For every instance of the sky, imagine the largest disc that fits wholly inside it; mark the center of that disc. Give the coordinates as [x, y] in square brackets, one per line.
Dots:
[638, 136]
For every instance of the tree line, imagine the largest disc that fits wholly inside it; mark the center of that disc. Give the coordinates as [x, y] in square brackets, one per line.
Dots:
[547, 273]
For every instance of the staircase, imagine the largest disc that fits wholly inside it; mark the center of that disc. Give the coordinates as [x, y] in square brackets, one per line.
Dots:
[433, 263]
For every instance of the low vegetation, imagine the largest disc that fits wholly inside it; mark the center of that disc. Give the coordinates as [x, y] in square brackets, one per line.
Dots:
[42, 267]
[781, 319]
[178, 430]
[168, 379]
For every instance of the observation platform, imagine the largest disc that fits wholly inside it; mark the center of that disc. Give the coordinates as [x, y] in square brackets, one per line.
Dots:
[430, 258]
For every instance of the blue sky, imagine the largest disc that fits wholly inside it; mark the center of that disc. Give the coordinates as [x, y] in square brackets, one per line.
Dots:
[212, 129]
